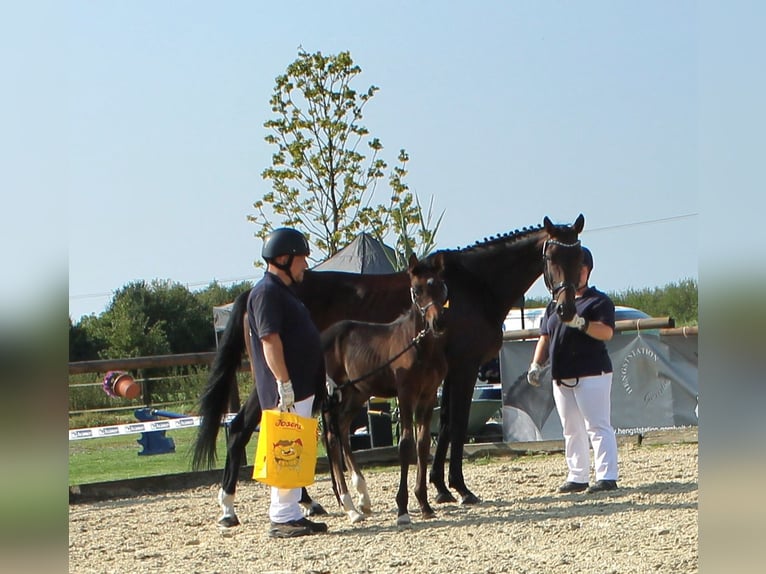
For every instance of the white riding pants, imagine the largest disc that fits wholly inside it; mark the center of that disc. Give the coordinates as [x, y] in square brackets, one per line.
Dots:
[585, 413]
[284, 501]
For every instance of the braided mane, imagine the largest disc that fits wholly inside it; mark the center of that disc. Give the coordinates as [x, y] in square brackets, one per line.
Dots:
[492, 241]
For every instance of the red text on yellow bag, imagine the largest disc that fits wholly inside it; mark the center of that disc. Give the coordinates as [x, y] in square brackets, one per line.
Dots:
[286, 454]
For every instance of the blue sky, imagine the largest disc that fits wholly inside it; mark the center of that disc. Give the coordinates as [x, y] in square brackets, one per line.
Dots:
[510, 111]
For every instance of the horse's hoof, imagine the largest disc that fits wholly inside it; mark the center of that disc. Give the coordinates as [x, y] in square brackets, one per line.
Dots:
[366, 509]
[228, 522]
[355, 517]
[444, 498]
[403, 520]
[312, 508]
[469, 498]
[428, 514]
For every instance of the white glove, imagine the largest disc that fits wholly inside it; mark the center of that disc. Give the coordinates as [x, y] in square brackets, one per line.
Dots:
[332, 388]
[577, 322]
[286, 395]
[534, 373]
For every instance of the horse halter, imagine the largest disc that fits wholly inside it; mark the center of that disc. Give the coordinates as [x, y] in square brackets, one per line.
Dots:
[430, 303]
[556, 289]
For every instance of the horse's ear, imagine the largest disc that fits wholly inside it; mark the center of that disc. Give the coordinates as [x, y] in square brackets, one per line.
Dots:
[413, 261]
[579, 223]
[548, 224]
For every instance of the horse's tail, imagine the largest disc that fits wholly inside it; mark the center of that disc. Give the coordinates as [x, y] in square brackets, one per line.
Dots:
[221, 385]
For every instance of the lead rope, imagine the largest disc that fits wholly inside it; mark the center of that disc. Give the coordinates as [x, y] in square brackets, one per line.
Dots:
[415, 340]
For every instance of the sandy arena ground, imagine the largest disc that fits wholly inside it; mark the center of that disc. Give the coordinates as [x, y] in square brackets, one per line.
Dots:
[521, 526]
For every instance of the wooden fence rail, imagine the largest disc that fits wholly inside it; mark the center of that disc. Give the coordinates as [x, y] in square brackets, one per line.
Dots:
[103, 365]
[665, 324]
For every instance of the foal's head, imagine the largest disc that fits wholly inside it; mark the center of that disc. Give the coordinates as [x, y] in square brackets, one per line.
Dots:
[428, 290]
[562, 260]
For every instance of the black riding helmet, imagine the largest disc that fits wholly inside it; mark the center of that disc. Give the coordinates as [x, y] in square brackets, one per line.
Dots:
[284, 241]
[587, 258]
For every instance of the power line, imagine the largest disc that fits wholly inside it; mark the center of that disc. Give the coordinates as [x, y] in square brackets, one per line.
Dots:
[597, 229]
[188, 285]
[646, 222]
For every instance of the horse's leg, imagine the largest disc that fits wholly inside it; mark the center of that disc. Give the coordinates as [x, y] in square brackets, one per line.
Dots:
[436, 477]
[310, 506]
[462, 383]
[423, 446]
[406, 453]
[341, 448]
[240, 432]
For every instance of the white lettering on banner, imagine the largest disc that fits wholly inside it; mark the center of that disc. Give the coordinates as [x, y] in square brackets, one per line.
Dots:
[136, 428]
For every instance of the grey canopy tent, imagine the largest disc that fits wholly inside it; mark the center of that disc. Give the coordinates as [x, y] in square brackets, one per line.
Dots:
[364, 254]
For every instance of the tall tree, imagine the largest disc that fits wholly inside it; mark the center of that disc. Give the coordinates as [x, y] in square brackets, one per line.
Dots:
[322, 182]
[152, 319]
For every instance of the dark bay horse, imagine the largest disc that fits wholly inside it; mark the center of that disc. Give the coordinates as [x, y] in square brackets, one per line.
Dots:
[484, 280]
[403, 359]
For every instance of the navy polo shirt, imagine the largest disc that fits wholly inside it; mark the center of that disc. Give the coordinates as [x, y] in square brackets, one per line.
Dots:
[272, 307]
[572, 352]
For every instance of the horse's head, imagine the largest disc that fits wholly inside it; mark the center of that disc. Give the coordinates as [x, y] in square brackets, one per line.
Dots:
[562, 261]
[428, 290]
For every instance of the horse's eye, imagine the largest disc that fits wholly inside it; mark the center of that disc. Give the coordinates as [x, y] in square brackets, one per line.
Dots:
[430, 282]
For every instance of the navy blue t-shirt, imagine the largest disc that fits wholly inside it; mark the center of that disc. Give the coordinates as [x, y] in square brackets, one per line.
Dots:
[572, 352]
[272, 307]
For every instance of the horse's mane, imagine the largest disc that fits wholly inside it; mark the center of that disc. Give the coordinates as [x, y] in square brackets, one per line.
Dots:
[499, 240]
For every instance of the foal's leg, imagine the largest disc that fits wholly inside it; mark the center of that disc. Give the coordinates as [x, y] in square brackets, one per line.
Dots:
[406, 452]
[357, 478]
[340, 446]
[424, 448]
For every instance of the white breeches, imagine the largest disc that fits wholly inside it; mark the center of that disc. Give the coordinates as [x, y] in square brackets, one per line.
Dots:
[585, 413]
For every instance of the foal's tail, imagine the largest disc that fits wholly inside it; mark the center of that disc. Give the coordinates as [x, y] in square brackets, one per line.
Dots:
[330, 433]
[221, 385]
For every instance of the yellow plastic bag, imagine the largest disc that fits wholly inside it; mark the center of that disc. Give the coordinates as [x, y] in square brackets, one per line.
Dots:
[286, 454]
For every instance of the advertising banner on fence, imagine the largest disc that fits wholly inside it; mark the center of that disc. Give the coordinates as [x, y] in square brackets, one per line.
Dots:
[654, 386]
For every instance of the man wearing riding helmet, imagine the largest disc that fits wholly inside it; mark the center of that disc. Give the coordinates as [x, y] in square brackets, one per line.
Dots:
[288, 364]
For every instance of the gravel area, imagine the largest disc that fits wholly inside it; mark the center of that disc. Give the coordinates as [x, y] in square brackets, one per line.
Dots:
[522, 526]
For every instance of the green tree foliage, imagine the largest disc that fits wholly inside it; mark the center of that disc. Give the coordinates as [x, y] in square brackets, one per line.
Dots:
[677, 300]
[216, 294]
[82, 347]
[322, 181]
[154, 318]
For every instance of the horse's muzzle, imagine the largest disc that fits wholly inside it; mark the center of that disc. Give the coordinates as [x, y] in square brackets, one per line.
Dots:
[438, 324]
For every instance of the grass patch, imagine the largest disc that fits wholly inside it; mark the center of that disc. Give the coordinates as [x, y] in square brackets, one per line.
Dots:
[117, 458]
